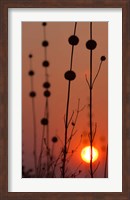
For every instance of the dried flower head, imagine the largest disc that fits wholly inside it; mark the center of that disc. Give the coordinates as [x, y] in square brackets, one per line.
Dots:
[73, 40]
[91, 44]
[70, 75]
[54, 139]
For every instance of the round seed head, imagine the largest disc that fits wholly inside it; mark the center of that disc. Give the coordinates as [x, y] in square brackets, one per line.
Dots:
[30, 55]
[45, 63]
[45, 43]
[70, 75]
[47, 93]
[31, 73]
[103, 58]
[44, 24]
[44, 121]
[46, 85]
[73, 40]
[91, 44]
[54, 139]
[73, 124]
[32, 94]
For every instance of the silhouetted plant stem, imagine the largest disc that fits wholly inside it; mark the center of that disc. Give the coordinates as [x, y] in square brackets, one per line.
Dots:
[91, 131]
[47, 138]
[55, 165]
[97, 73]
[91, 141]
[66, 128]
[74, 124]
[47, 104]
[35, 135]
[34, 118]
[44, 140]
[41, 152]
[67, 109]
[45, 120]
[91, 45]
[45, 164]
[47, 110]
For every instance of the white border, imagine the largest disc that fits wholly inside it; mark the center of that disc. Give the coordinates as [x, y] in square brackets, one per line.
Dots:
[114, 182]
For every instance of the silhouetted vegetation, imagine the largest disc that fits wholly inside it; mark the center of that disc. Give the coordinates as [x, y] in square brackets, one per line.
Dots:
[46, 163]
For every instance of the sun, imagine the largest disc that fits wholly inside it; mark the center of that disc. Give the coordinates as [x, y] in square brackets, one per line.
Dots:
[85, 154]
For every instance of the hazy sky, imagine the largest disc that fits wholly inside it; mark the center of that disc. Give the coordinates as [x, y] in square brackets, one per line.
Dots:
[58, 54]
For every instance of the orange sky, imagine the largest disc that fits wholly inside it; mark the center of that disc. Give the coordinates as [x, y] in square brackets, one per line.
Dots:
[58, 53]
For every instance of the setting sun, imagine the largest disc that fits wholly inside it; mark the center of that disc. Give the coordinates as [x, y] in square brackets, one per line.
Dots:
[85, 154]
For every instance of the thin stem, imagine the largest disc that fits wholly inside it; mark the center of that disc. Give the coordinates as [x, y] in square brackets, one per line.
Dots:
[87, 81]
[34, 123]
[35, 135]
[55, 165]
[90, 30]
[91, 143]
[67, 110]
[41, 152]
[47, 105]
[70, 118]
[97, 73]
[72, 51]
[66, 128]
[90, 90]
[75, 121]
[44, 36]
[46, 115]
[47, 136]
[42, 140]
